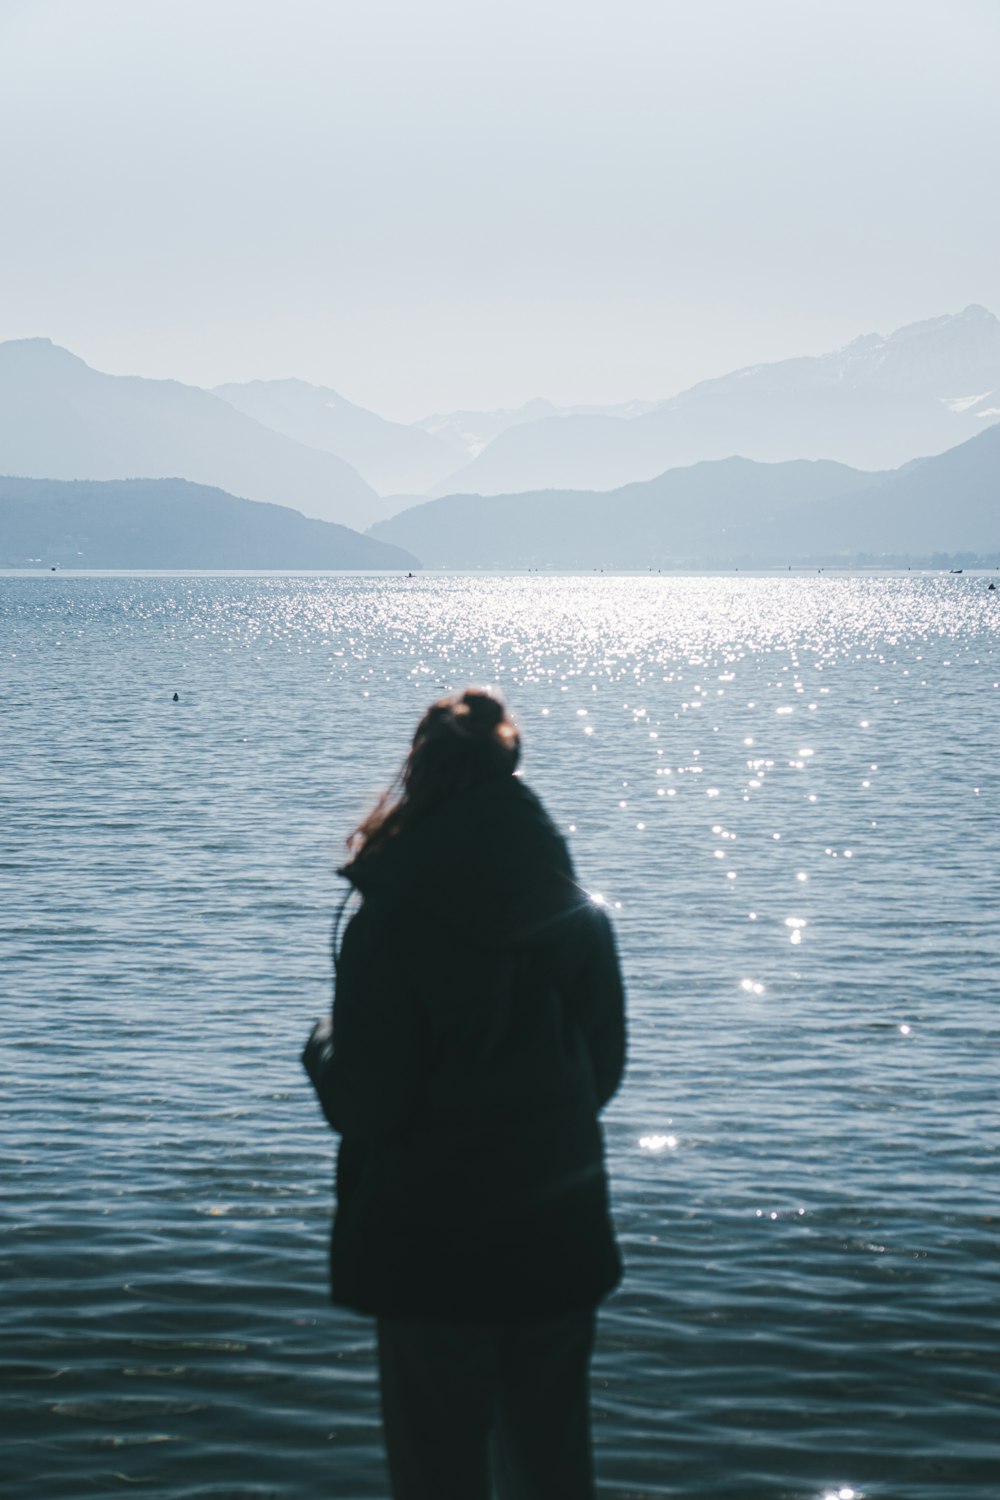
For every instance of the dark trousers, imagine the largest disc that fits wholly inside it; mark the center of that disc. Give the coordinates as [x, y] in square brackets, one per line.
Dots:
[461, 1401]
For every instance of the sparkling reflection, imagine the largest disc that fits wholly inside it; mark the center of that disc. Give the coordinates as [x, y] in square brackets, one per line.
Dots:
[658, 1143]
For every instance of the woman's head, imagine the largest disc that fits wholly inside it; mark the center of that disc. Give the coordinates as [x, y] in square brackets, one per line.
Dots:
[461, 741]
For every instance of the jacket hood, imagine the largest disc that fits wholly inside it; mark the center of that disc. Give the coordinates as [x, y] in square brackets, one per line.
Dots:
[489, 863]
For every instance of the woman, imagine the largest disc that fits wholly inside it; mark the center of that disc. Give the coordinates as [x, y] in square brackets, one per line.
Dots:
[477, 1030]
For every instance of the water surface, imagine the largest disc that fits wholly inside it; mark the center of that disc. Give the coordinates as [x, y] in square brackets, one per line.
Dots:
[786, 788]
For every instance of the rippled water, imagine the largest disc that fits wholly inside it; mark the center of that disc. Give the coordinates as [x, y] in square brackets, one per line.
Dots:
[787, 788]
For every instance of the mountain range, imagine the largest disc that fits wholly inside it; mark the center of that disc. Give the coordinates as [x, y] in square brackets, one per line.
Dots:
[394, 458]
[874, 404]
[390, 456]
[60, 419]
[648, 483]
[171, 523]
[724, 513]
[467, 433]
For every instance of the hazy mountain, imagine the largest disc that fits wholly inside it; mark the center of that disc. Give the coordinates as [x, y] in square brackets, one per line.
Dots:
[60, 419]
[469, 432]
[874, 404]
[682, 517]
[390, 456]
[943, 505]
[729, 512]
[169, 523]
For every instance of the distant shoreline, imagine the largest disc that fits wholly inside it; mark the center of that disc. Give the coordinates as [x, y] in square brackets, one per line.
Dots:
[968, 570]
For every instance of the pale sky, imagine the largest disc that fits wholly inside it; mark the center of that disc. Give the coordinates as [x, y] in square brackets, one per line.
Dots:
[429, 204]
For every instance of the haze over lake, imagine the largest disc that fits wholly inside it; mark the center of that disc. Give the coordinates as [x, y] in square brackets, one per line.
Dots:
[786, 789]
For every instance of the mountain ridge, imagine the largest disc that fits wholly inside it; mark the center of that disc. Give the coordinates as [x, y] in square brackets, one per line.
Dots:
[874, 403]
[62, 419]
[171, 523]
[724, 512]
[389, 455]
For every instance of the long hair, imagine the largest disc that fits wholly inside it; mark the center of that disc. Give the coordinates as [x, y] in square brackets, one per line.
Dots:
[461, 741]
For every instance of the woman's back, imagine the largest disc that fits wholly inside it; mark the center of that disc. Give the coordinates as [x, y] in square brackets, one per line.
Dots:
[478, 1029]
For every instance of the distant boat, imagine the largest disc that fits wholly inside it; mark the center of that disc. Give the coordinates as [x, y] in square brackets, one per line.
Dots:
[955, 570]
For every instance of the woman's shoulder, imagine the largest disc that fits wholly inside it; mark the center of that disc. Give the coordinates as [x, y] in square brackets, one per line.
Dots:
[521, 799]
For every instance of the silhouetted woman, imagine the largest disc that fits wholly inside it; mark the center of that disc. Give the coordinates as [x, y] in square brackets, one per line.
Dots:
[478, 1029]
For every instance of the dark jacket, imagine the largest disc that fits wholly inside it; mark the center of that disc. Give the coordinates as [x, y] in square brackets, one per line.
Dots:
[478, 1028]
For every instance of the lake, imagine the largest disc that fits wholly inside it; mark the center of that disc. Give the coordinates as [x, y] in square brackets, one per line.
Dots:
[786, 788]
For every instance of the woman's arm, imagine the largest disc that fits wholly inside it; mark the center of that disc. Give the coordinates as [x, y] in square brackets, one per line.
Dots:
[591, 981]
[367, 1065]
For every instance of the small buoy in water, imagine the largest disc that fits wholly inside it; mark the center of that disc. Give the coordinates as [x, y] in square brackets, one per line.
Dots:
[990, 586]
[177, 697]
